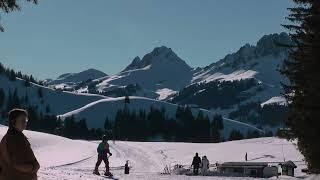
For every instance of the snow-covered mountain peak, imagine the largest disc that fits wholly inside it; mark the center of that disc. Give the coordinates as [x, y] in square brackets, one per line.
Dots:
[159, 69]
[159, 55]
[247, 56]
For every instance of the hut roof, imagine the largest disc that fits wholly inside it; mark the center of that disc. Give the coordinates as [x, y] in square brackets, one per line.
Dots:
[288, 164]
[244, 164]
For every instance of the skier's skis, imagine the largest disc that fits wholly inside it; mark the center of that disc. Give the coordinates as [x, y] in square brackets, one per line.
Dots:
[110, 176]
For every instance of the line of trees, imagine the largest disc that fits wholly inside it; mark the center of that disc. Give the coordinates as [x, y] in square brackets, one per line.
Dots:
[156, 126]
[272, 115]
[13, 75]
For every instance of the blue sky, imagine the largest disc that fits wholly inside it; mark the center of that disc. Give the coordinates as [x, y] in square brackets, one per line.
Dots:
[59, 36]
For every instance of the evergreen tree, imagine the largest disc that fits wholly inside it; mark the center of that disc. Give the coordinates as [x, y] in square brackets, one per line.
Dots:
[7, 6]
[107, 124]
[2, 98]
[9, 102]
[253, 134]
[302, 69]
[82, 129]
[2, 68]
[12, 75]
[40, 93]
[216, 127]
[27, 82]
[34, 121]
[26, 99]
[156, 120]
[235, 135]
[47, 108]
[70, 127]
[127, 99]
[15, 99]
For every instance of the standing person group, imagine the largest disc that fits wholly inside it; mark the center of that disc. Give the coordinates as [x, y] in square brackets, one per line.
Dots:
[197, 163]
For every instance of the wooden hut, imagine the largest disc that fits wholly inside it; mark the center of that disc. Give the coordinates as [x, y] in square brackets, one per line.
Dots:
[288, 168]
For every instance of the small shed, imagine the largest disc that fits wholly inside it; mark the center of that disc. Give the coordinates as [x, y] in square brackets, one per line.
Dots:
[250, 169]
[288, 168]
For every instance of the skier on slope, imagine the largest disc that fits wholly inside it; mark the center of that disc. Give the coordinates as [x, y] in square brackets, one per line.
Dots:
[204, 165]
[103, 151]
[196, 164]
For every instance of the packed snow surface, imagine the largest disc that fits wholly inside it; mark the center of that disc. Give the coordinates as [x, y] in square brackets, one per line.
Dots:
[63, 158]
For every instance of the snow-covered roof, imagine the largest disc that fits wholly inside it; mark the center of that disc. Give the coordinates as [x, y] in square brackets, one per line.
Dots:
[244, 164]
[289, 164]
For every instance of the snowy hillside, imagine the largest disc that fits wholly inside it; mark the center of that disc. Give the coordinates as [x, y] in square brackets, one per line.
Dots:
[62, 158]
[56, 101]
[96, 112]
[69, 80]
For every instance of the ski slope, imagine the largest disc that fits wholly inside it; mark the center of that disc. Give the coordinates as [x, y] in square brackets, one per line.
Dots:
[62, 158]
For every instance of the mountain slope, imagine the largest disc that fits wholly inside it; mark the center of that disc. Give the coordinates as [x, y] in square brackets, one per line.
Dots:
[246, 76]
[44, 98]
[95, 113]
[69, 80]
[260, 62]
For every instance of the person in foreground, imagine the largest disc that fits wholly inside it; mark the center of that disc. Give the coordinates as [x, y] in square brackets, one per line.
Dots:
[103, 151]
[196, 164]
[17, 160]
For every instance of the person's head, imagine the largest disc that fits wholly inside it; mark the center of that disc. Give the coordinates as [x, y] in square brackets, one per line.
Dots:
[18, 119]
[104, 138]
[197, 154]
[205, 157]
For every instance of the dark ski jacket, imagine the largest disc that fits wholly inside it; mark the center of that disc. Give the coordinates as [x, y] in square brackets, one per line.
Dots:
[17, 160]
[103, 149]
[196, 162]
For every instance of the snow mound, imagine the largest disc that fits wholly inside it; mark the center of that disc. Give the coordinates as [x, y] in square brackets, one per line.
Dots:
[165, 93]
[280, 100]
